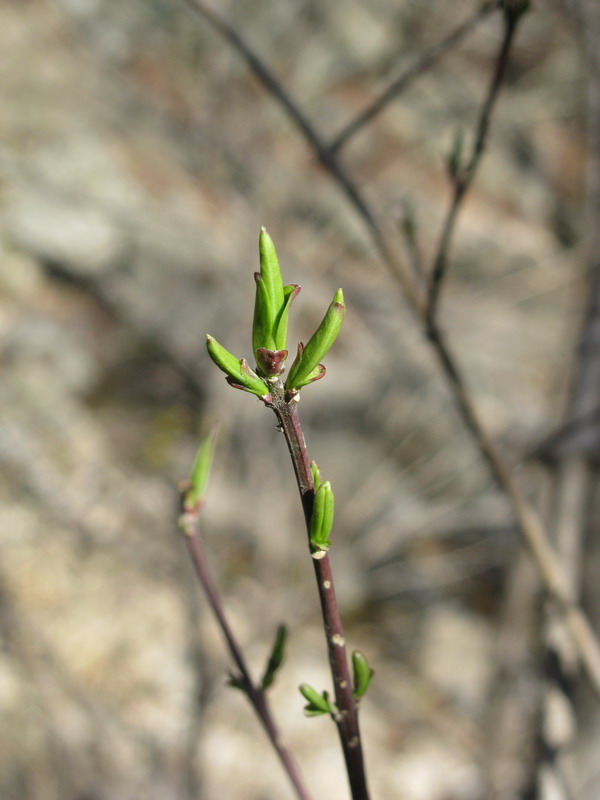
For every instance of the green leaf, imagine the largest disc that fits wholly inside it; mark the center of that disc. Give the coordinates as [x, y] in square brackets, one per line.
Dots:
[321, 521]
[270, 272]
[362, 674]
[307, 367]
[281, 320]
[317, 703]
[238, 372]
[271, 307]
[262, 324]
[316, 474]
[270, 296]
[276, 658]
[194, 495]
[236, 682]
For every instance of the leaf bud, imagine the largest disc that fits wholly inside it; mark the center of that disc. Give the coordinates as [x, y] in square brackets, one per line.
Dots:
[321, 521]
[307, 367]
[238, 373]
[362, 674]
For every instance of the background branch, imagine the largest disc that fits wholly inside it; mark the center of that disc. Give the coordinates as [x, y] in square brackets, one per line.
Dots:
[463, 176]
[420, 65]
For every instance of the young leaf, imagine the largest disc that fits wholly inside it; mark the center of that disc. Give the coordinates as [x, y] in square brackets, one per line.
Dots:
[281, 321]
[316, 474]
[194, 495]
[264, 317]
[362, 674]
[276, 658]
[236, 682]
[307, 362]
[270, 296]
[317, 703]
[238, 372]
[321, 521]
[270, 272]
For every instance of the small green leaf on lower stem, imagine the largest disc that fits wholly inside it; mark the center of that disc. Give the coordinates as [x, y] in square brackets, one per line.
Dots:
[236, 682]
[362, 674]
[194, 495]
[321, 521]
[317, 703]
[276, 658]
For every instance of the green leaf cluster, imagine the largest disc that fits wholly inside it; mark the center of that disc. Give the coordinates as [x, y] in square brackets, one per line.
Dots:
[318, 703]
[269, 334]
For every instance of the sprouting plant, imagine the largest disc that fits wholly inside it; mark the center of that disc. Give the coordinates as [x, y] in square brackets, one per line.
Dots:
[279, 389]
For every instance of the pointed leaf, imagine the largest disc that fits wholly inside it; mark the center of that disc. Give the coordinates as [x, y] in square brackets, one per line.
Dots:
[281, 321]
[316, 474]
[238, 372]
[264, 317]
[276, 658]
[321, 521]
[317, 703]
[362, 674]
[270, 271]
[194, 495]
[309, 357]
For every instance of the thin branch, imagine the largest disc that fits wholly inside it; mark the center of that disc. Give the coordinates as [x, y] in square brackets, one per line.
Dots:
[253, 692]
[414, 70]
[331, 163]
[346, 717]
[463, 176]
[533, 531]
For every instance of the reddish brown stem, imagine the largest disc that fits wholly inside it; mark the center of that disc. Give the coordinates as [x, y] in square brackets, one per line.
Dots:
[253, 692]
[346, 716]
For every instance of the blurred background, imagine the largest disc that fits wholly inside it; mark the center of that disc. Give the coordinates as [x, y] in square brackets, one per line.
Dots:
[139, 158]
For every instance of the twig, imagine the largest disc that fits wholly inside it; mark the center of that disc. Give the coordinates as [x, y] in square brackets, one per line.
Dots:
[529, 523]
[253, 692]
[462, 177]
[418, 67]
[346, 717]
[324, 155]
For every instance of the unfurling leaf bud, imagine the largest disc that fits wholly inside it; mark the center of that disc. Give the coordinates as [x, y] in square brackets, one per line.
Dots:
[270, 362]
[272, 303]
[307, 367]
[276, 658]
[238, 372]
[194, 494]
[317, 703]
[362, 674]
[321, 521]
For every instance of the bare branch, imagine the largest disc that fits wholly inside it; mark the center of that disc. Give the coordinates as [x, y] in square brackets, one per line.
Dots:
[253, 691]
[328, 160]
[417, 68]
[462, 177]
